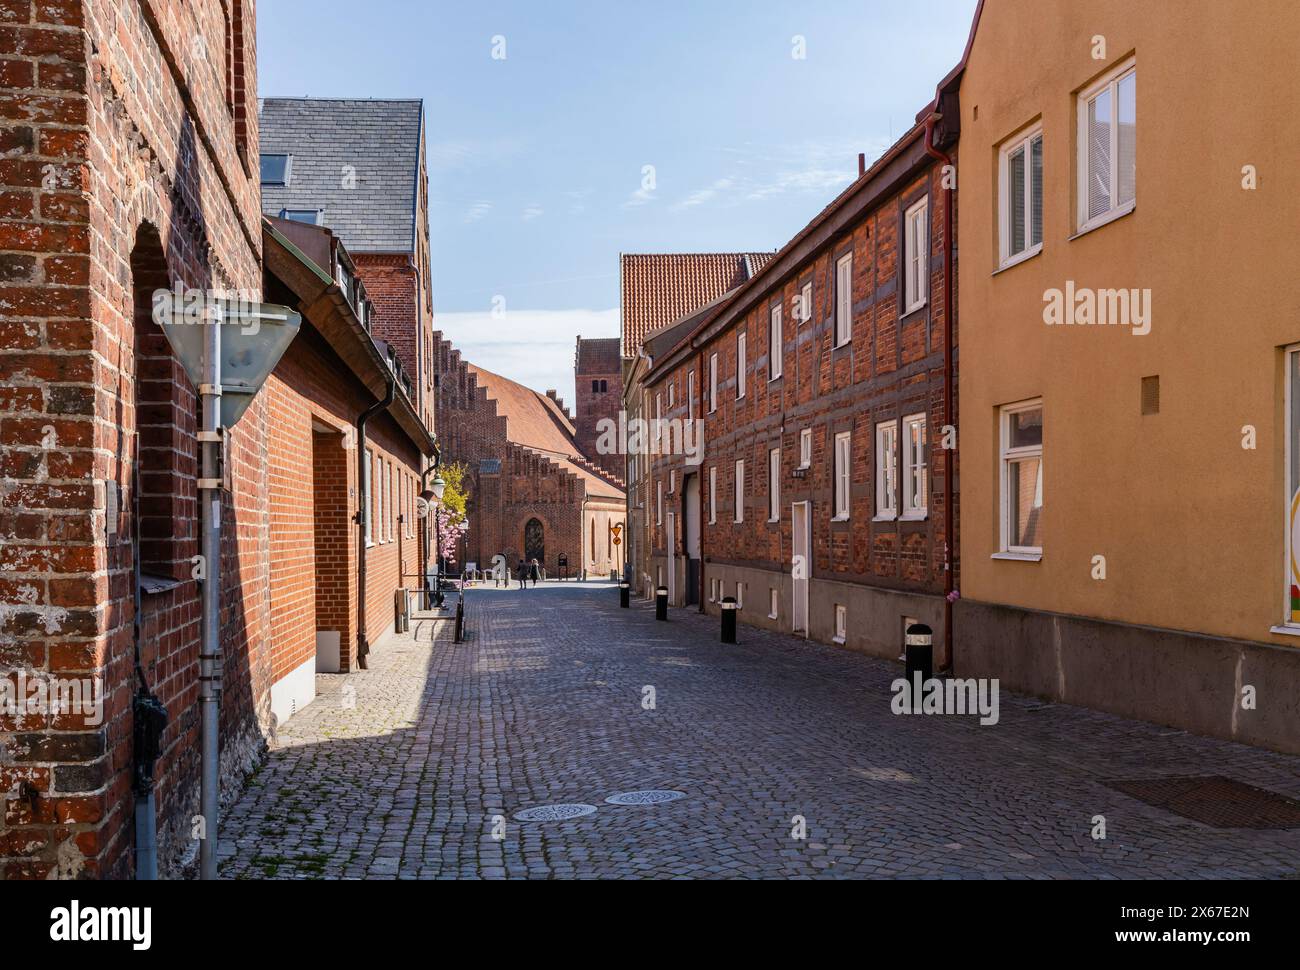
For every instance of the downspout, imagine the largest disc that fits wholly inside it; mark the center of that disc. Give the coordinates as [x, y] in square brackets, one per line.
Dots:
[949, 516]
[363, 513]
[699, 403]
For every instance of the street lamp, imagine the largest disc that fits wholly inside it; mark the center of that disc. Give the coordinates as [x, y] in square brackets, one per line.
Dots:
[434, 497]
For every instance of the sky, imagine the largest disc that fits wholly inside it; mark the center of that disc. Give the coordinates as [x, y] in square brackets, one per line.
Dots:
[563, 133]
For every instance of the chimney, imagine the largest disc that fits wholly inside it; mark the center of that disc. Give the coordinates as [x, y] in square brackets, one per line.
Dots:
[862, 164]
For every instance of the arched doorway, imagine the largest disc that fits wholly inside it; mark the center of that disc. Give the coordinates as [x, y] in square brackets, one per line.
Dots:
[535, 541]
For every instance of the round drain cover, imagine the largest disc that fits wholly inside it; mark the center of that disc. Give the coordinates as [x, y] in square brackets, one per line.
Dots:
[654, 797]
[554, 813]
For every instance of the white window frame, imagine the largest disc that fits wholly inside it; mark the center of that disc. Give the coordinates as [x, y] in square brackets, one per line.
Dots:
[773, 603]
[1110, 81]
[912, 464]
[672, 482]
[805, 448]
[659, 501]
[739, 491]
[1006, 457]
[392, 508]
[774, 485]
[1023, 141]
[886, 470]
[713, 495]
[841, 624]
[742, 349]
[844, 300]
[369, 497]
[659, 426]
[842, 476]
[740, 595]
[690, 395]
[916, 255]
[776, 344]
[806, 303]
[713, 383]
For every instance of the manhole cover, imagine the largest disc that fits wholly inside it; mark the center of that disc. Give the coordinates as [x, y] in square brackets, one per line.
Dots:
[1215, 801]
[554, 813]
[656, 797]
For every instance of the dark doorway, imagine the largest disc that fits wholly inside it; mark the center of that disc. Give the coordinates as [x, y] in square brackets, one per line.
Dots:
[535, 541]
[691, 516]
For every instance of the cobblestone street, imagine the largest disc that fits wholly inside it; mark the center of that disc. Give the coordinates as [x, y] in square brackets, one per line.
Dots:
[399, 771]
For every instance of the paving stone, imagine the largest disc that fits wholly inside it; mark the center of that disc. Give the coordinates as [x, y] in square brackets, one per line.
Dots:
[399, 771]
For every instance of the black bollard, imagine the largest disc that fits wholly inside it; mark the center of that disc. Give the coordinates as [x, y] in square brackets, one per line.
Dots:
[661, 603]
[625, 595]
[729, 620]
[918, 645]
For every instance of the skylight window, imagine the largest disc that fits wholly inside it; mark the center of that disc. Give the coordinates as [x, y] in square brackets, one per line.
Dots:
[275, 169]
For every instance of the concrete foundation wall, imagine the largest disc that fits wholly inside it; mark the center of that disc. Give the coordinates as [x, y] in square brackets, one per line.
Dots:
[1184, 680]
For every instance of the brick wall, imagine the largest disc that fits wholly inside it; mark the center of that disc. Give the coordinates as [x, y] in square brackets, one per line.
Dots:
[527, 486]
[118, 138]
[892, 367]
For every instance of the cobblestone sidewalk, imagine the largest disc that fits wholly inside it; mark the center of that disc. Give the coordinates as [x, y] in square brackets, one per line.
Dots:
[405, 770]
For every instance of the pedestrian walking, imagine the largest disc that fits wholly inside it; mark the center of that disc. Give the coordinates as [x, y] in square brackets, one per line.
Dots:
[522, 573]
[535, 571]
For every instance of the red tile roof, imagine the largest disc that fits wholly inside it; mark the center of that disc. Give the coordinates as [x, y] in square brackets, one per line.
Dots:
[536, 422]
[599, 356]
[661, 288]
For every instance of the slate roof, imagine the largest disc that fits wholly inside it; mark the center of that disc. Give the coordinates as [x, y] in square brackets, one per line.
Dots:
[535, 422]
[380, 140]
[659, 289]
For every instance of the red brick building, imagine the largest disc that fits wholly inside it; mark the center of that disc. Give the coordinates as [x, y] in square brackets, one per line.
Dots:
[598, 374]
[129, 162]
[333, 373]
[657, 291]
[533, 492]
[820, 501]
[358, 167]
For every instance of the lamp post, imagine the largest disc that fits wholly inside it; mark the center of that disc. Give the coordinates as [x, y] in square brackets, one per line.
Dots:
[434, 497]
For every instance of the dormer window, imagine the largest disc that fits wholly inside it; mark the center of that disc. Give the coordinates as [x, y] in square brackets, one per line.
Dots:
[276, 169]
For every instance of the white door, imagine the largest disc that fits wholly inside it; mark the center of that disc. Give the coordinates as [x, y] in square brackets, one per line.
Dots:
[672, 557]
[800, 565]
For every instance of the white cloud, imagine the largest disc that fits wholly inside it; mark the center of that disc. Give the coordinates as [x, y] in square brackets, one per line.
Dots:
[477, 211]
[533, 212]
[701, 196]
[533, 347]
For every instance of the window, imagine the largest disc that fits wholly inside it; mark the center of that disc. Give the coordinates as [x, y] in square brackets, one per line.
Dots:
[841, 624]
[690, 394]
[310, 216]
[916, 483]
[659, 423]
[1108, 147]
[1290, 587]
[740, 491]
[844, 300]
[741, 364]
[887, 470]
[775, 345]
[595, 387]
[740, 596]
[392, 507]
[369, 496]
[276, 169]
[672, 394]
[774, 485]
[843, 474]
[805, 448]
[774, 604]
[604, 387]
[713, 495]
[672, 482]
[713, 590]
[713, 383]
[1022, 479]
[916, 262]
[1021, 179]
[659, 503]
[806, 303]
